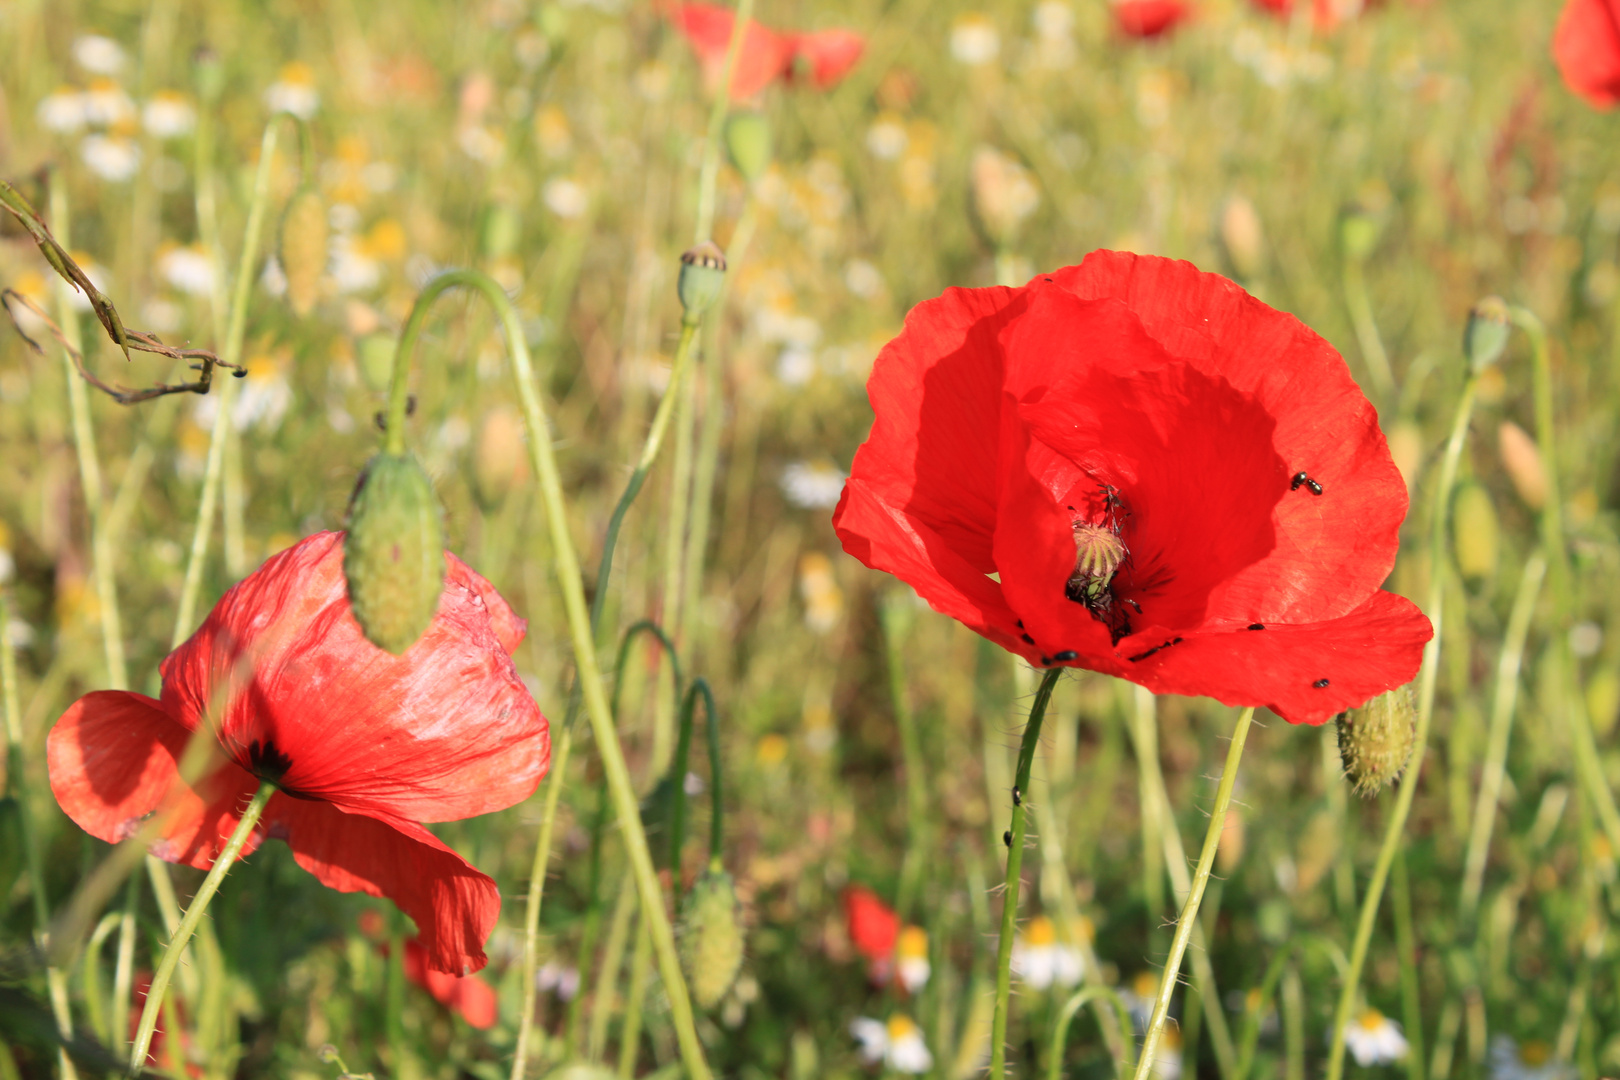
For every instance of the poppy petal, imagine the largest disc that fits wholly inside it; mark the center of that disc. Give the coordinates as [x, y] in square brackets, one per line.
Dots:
[468, 995]
[1149, 18]
[873, 925]
[1586, 45]
[453, 905]
[445, 731]
[1304, 673]
[509, 628]
[829, 54]
[762, 57]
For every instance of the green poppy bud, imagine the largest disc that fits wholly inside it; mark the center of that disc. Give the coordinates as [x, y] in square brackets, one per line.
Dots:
[1359, 232]
[748, 143]
[502, 231]
[1375, 741]
[303, 248]
[393, 557]
[207, 74]
[711, 937]
[1486, 334]
[1476, 534]
[703, 273]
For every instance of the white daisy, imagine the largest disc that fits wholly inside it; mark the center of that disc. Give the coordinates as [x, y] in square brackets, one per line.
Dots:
[1529, 1060]
[351, 269]
[1041, 960]
[1374, 1039]
[564, 197]
[111, 157]
[911, 958]
[294, 92]
[188, 269]
[975, 40]
[169, 115]
[899, 1043]
[887, 138]
[816, 486]
[62, 111]
[99, 55]
[107, 104]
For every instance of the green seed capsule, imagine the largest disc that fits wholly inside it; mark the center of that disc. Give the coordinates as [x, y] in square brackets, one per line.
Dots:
[703, 273]
[303, 248]
[711, 937]
[1375, 741]
[1476, 534]
[748, 143]
[393, 557]
[1486, 334]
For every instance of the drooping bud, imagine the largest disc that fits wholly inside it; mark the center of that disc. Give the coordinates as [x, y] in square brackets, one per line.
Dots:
[303, 248]
[703, 274]
[1475, 534]
[1522, 460]
[1486, 335]
[711, 937]
[1375, 741]
[1098, 553]
[748, 143]
[393, 557]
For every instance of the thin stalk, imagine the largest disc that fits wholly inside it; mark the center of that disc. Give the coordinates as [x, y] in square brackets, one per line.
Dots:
[717, 805]
[1395, 829]
[683, 751]
[673, 528]
[1014, 881]
[1281, 966]
[90, 976]
[1367, 336]
[896, 621]
[124, 971]
[1293, 1018]
[1145, 735]
[1187, 922]
[1099, 997]
[55, 980]
[194, 913]
[593, 926]
[710, 173]
[607, 973]
[1406, 949]
[626, 804]
[640, 972]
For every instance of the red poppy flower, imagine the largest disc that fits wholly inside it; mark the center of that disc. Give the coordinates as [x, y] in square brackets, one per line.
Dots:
[1150, 18]
[468, 995]
[364, 745]
[1587, 48]
[1137, 468]
[764, 55]
[873, 925]
[1326, 14]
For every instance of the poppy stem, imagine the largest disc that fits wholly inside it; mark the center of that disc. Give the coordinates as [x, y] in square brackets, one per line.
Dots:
[1015, 862]
[1395, 829]
[194, 913]
[566, 562]
[1187, 921]
[896, 620]
[710, 174]
[1100, 997]
[677, 775]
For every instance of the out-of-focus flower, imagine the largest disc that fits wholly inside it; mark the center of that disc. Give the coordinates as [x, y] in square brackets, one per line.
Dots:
[818, 588]
[106, 104]
[1138, 997]
[826, 55]
[99, 55]
[1374, 1039]
[188, 269]
[1053, 21]
[114, 158]
[975, 40]
[1149, 18]
[813, 485]
[863, 279]
[565, 197]
[1004, 193]
[62, 111]
[898, 1043]
[1326, 14]
[294, 91]
[1586, 45]
[351, 268]
[1167, 1063]
[886, 138]
[1041, 960]
[552, 132]
[911, 958]
[169, 115]
[363, 745]
[764, 55]
[469, 996]
[1529, 1060]
[873, 927]
[481, 143]
[559, 979]
[1522, 460]
[1243, 236]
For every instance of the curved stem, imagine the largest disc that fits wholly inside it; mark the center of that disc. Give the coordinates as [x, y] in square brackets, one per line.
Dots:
[1015, 862]
[1394, 831]
[1367, 336]
[594, 694]
[1060, 1030]
[683, 750]
[1188, 920]
[194, 913]
[717, 821]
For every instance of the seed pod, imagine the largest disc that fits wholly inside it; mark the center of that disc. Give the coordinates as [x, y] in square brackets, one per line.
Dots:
[711, 937]
[499, 463]
[703, 273]
[393, 556]
[748, 143]
[1243, 237]
[1486, 334]
[1375, 741]
[1522, 460]
[1475, 532]
[303, 248]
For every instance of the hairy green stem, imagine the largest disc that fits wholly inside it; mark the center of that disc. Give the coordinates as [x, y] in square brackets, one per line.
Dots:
[896, 619]
[1406, 950]
[1015, 860]
[1366, 327]
[607, 972]
[1187, 922]
[194, 913]
[1395, 829]
[1099, 997]
[1145, 735]
[677, 775]
[566, 562]
[640, 970]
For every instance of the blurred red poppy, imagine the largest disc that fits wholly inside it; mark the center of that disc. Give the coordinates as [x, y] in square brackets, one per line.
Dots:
[1137, 468]
[364, 745]
[764, 55]
[873, 925]
[1324, 13]
[1150, 18]
[1586, 45]
[468, 995]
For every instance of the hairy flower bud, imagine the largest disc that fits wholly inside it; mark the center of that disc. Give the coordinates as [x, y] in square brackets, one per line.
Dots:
[1486, 335]
[393, 557]
[1375, 741]
[711, 937]
[748, 143]
[303, 248]
[1475, 534]
[703, 274]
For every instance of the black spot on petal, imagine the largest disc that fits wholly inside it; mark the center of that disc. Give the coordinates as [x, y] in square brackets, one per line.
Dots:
[1320, 684]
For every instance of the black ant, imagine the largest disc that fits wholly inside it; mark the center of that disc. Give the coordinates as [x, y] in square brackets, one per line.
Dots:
[1302, 479]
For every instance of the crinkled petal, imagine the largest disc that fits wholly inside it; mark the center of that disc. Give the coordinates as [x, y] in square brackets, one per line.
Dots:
[445, 731]
[453, 905]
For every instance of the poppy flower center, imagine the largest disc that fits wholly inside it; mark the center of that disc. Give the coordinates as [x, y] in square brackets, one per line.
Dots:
[267, 761]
